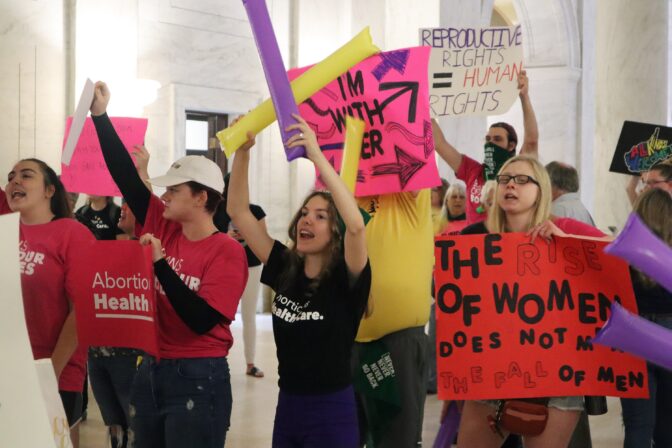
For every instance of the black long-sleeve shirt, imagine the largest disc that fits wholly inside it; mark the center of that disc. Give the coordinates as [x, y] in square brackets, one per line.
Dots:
[194, 311]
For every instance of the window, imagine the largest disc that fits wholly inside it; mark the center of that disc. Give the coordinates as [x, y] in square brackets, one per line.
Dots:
[200, 136]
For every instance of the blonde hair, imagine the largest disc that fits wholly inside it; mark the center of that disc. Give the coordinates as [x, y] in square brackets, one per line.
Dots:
[458, 187]
[496, 221]
[489, 186]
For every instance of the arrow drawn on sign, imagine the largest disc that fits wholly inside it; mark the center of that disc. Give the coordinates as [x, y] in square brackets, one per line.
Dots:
[405, 168]
[390, 60]
[403, 86]
[429, 138]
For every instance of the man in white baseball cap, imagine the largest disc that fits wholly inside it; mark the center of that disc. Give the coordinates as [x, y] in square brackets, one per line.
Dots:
[192, 169]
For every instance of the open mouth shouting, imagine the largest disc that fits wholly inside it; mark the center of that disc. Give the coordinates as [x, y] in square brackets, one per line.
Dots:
[306, 234]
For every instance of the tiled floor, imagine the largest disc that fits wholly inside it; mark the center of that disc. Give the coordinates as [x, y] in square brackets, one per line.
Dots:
[255, 401]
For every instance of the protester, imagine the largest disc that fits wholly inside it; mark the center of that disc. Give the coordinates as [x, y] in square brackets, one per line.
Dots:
[322, 283]
[659, 176]
[500, 145]
[111, 369]
[101, 215]
[488, 196]
[47, 234]
[647, 420]
[401, 248]
[565, 192]
[523, 204]
[454, 209]
[438, 195]
[248, 303]
[185, 399]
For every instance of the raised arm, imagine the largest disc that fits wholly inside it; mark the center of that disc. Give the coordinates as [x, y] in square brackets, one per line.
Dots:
[445, 150]
[118, 161]
[631, 189]
[356, 254]
[238, 205]
[531, 139]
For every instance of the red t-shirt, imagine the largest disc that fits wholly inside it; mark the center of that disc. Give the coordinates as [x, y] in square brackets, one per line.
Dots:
[471, 172]
[573, 227]
[215, 268]
[46, 280]
[4, 206]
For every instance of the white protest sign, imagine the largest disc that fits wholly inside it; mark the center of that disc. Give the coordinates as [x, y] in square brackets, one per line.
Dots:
[473, 71]
[23, 416]
[78, 120]
[52, 399]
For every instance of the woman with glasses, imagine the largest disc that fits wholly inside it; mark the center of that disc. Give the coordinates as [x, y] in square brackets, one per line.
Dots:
[523, 204]
[660, 176]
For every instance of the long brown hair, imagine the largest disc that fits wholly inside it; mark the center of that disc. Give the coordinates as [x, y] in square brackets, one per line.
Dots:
[654, 206]
[59, 203]
[295, 260]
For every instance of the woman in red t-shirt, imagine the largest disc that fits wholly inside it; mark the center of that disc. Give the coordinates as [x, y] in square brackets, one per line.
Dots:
[523, 204]
[46, 233]
[184, 399]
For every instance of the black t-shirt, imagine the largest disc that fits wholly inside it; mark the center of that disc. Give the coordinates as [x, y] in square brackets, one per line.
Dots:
[222, 221]
[103, 223]
[315, 331]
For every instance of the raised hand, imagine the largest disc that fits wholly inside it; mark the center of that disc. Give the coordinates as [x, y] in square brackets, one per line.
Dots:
[306, 137]
[101, 98]
[523, 83]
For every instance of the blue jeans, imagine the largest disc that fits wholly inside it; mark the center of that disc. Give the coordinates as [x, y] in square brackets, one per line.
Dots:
[111, 379]
[181, 403]
[650, 420]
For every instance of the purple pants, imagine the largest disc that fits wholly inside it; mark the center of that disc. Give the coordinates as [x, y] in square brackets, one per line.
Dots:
[319, 421]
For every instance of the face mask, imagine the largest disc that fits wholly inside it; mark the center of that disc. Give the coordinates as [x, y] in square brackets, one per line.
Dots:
[495, 157]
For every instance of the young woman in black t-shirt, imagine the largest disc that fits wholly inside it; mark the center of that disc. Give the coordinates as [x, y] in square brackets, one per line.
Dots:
[322, 286]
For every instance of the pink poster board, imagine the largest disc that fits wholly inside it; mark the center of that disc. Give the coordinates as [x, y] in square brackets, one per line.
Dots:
[389, 92]
[87, 172]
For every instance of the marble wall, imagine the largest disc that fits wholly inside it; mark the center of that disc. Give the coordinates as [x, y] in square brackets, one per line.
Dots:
[32, 81]
[584, 61]
[632, 84]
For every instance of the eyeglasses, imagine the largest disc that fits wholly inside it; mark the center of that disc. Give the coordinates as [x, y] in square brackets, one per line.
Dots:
[651, 183]
[520, 179]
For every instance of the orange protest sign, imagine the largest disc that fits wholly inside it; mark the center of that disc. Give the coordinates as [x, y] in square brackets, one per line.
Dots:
[514, 319]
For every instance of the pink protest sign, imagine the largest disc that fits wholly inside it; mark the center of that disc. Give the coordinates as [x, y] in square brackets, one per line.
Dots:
[87, 172]
[389, 92]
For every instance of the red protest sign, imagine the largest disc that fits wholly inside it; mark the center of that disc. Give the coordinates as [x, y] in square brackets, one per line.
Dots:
[514, 319]
[114, 295]
[389, 92]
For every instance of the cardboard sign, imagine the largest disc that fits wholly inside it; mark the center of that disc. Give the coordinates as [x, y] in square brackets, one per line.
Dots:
[24, 420]
[54, 405]
[473, 71]
[114, 296]
[640, 146]
[514, 319]
[87, 172]
[85, 100]
[388, 91]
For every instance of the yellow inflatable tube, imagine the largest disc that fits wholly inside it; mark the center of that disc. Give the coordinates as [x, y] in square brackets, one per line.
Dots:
[305, 86]
[351, 151]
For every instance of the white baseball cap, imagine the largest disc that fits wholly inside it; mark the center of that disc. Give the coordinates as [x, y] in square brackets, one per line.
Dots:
[192, 169]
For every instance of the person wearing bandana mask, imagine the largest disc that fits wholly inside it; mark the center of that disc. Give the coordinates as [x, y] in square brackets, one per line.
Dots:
[500, 145]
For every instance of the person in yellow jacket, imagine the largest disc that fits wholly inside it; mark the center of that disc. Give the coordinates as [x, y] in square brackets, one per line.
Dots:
[391, 342]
